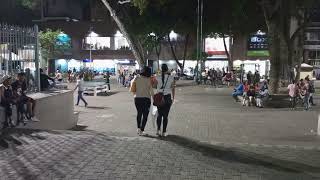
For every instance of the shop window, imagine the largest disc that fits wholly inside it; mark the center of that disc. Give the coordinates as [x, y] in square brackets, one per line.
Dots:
[121, 43]
[96, 43]
[313, 36]
[314, 55]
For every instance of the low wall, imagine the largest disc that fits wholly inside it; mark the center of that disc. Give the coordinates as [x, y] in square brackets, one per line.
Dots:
[54, 109]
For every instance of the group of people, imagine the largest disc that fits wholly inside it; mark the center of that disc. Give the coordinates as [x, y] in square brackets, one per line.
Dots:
[125, 79]
[14, 92]
[142, 86]
[301, 91]
[217, 77]
[252, 94]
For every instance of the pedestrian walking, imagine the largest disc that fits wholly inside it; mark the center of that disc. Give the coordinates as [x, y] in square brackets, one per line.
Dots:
[165, 87]
[142, 89]
[80, 88]
[107, 77]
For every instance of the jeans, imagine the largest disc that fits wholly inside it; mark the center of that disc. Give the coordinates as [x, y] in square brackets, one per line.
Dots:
[311, 99]
[80, 96]
[163, 113]
[293, 101]
[143, 108]
[307, 102]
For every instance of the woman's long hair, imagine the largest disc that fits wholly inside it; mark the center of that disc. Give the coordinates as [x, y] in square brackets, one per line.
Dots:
[164, 70]
[146, 71]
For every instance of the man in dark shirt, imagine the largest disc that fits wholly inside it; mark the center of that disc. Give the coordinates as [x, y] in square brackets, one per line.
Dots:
[19, 88]
[44, 83]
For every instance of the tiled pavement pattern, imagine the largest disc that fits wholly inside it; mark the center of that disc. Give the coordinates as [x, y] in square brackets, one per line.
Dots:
[87, 155]
[210, 115]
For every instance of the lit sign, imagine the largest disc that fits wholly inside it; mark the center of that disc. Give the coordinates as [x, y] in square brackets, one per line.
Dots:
[258, 45]
[87, 60]
[215, 46]
[63, 41]
[258, 42]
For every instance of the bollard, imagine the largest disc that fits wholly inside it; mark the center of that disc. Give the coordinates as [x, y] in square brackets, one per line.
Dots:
[318, 132]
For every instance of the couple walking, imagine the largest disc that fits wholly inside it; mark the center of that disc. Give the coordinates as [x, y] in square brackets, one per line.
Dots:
[142, 88]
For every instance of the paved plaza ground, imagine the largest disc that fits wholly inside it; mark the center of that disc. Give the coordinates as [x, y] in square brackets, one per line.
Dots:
[211, 137]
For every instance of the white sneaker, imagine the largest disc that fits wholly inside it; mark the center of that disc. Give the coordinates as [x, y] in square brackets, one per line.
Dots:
[164, 134]
[34, 119]
[143, 133]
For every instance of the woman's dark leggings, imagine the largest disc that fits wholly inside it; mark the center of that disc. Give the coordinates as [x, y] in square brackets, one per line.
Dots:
[163, 113]
[143, 108]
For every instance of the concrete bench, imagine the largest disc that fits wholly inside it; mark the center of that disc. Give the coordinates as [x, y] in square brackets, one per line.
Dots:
[97, 89]
[55, 110]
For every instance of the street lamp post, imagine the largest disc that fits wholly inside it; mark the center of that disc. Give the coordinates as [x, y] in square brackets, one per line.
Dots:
[199, 39]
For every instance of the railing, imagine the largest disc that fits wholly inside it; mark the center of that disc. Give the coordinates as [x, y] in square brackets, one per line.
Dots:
[19, 51]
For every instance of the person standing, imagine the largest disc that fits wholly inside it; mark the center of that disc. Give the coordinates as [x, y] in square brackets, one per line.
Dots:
[307, 94]
[6, 100]
[249, 77]
[312, 91]
[80, 88]
[44, 81]
[292, 88]
[165, 85]
[108, 80]
[141, 87]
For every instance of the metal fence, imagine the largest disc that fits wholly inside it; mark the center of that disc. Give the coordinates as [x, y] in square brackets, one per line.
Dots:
[19, 52]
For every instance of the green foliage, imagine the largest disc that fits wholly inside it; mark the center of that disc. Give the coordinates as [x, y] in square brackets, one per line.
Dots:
[30, 4]
[48, 41]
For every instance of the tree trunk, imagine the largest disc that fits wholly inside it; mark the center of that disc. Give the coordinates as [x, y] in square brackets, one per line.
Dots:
[158, 52]
[173, 53]
[230, 62]
[275, 59]
[186, 43]
[299, 55]
[137, 49]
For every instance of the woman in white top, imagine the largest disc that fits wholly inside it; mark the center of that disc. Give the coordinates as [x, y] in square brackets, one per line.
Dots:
[142, 89]
[59, 76]
[166, 85]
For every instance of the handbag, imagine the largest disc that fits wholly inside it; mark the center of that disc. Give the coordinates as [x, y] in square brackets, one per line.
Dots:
[158, 98]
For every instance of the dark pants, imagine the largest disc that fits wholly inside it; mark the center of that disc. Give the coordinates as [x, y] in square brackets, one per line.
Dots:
[143, 108]
[163, 113]
[109, 88]
[293, 101]
[8, 113]
[80, 96]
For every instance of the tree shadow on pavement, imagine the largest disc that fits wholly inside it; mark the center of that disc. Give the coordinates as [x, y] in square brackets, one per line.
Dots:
[13, 136]
[239, 156]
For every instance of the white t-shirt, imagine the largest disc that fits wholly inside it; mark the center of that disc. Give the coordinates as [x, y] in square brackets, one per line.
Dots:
[168, 88]
[292, 90]
[80, 85]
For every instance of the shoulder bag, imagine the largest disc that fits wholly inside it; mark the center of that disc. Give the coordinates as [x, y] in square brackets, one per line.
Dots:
[158, 98]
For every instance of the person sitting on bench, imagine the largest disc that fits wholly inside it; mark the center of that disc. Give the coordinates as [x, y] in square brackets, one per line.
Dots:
[6, 99]
[19, 88]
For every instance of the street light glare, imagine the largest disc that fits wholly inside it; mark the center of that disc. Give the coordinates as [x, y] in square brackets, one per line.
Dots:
[93, 34]
[173, 35]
